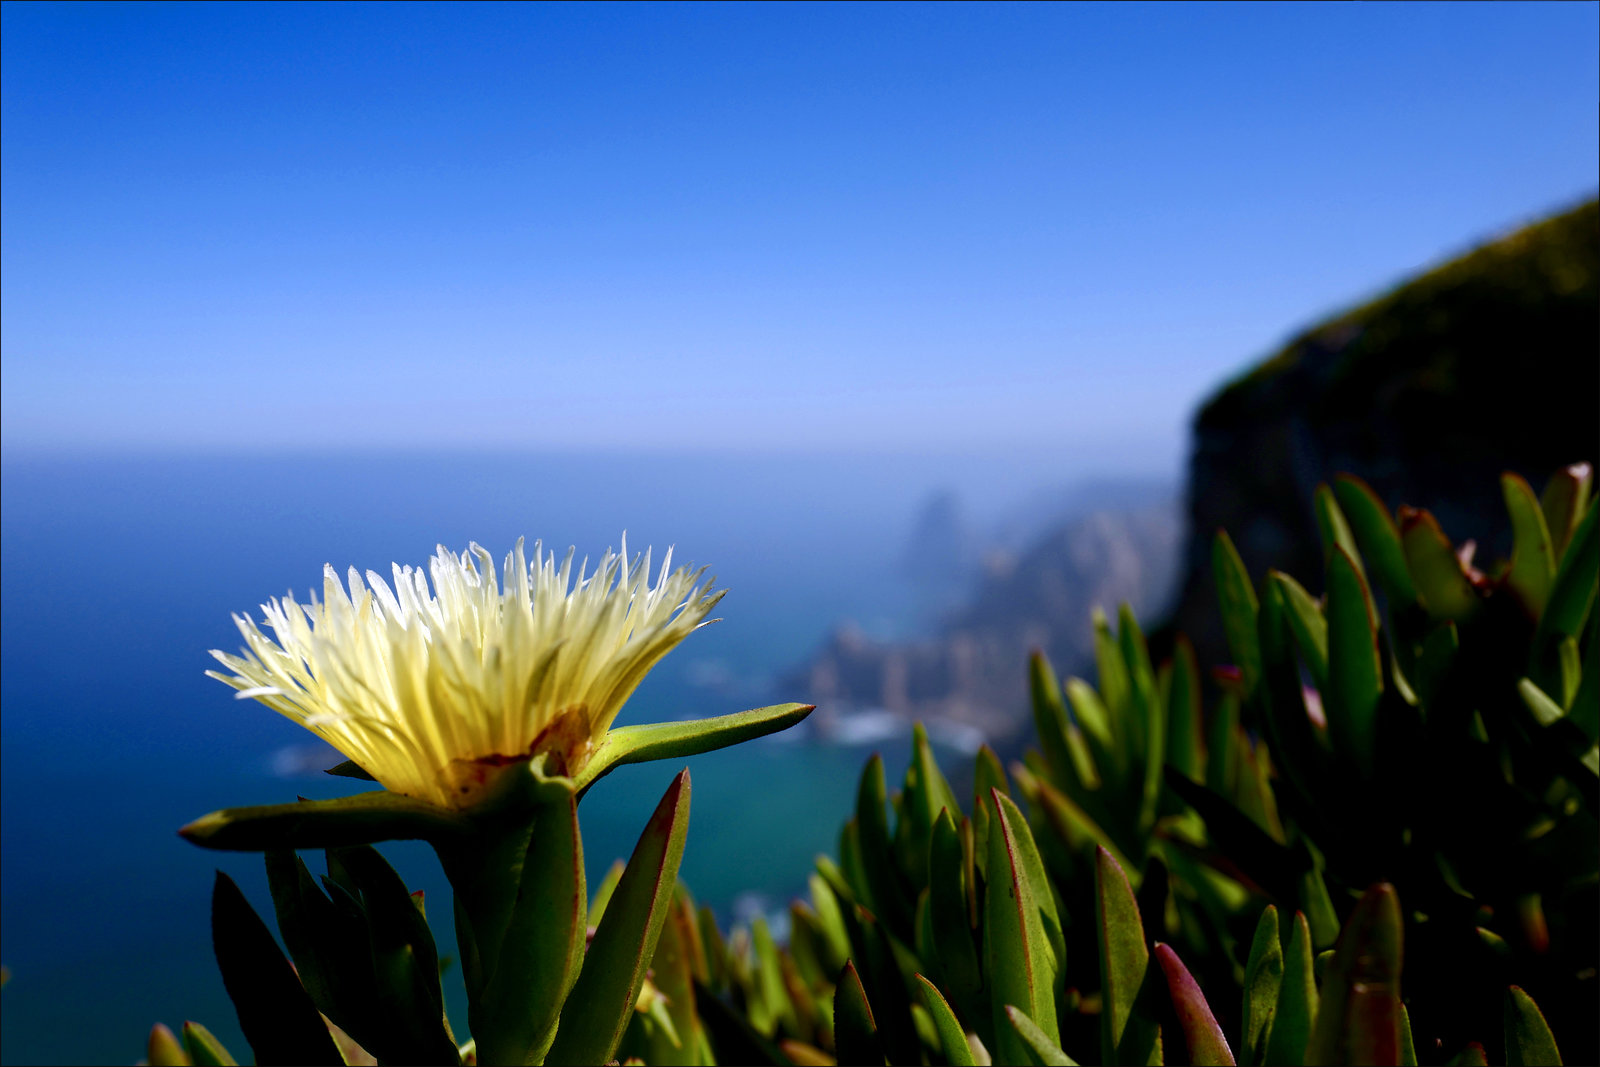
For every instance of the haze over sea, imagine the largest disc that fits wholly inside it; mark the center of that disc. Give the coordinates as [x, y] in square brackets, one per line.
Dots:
[120, 573]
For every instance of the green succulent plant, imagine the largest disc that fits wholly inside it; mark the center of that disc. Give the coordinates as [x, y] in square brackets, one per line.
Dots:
[990, 979]
[1433, 742]
[1166, 879]
[1434, 725]
[485, 710]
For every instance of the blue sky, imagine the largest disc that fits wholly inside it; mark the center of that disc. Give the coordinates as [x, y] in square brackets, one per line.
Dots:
[763, 228]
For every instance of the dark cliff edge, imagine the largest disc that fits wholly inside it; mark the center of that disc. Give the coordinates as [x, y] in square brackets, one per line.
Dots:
[1488, 363]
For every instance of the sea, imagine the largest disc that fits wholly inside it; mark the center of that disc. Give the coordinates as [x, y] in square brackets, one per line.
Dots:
[119, 572]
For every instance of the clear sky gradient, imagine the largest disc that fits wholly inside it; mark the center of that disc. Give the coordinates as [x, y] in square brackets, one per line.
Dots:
[254, 228]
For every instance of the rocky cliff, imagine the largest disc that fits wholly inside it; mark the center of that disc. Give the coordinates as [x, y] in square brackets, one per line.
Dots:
[1488, 363]
[973, 672]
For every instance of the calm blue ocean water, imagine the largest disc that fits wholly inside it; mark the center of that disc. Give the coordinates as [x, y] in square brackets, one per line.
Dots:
[119, 573]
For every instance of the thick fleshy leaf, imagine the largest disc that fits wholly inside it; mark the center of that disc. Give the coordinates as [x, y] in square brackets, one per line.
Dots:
[1027, 850]
[1539, 703]
[276, 1014]
[924, 795]
[675, 740]
[948, 913]
[1102, 748]
[601, 1001]
[1318, 907]
[1584, 708]
[1297, 999]
[1141, 673]
[1050, 720]
[405, 964]
[1355, 670]
[163, 1049]
[1528, 1038]
[484, 869]
[1564, 500]
[1222, 746]
[332, 951]
[204, 1048]
[1148, 714]
[1263, 981]
[1183, 712]
[1121, 762]
[987, 774]
[1128, 1035]
[855, 1032]
[891, 899]
[1042, 1051]
[1236, 598]
[1252, 790]
[673, 969]
[808, 945]
[1435, 661]
[358, 820]
[803, 1055]
[952, 1038]
[1441, 585]
[930, 779]
[516, 1014]
[1016, 952]
[1377, 537]
[830, 919]
[1333, 527]
[1094, 717]
[988, 770]
[1471, 1056]
[878, 963]
[365, 957]
[1207, 1045]
[396, 922]
[1112, 672]
[1494, 943]
[1298, 745]
[1571, 670]
[1408, 1047]
[847, 878]
[1571, 598]
[1533, 559]
[1310, 629]
[1358, 1020]
[769, 980]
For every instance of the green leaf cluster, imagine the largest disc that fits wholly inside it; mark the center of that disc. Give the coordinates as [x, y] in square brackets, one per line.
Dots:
[1371, 838]
[551, 974]
[1207, 868]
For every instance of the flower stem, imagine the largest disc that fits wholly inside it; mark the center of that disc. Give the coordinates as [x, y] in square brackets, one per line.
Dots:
[520, 906]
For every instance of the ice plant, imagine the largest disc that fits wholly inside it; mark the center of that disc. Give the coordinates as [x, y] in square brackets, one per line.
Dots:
[483, 704]
[434, 693]
[480, 691]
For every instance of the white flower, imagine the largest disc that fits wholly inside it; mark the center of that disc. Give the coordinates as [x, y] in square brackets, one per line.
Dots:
[433, 693]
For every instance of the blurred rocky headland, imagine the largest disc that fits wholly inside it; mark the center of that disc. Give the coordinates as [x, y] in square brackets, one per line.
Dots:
[989, 599]
[1487, 363]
